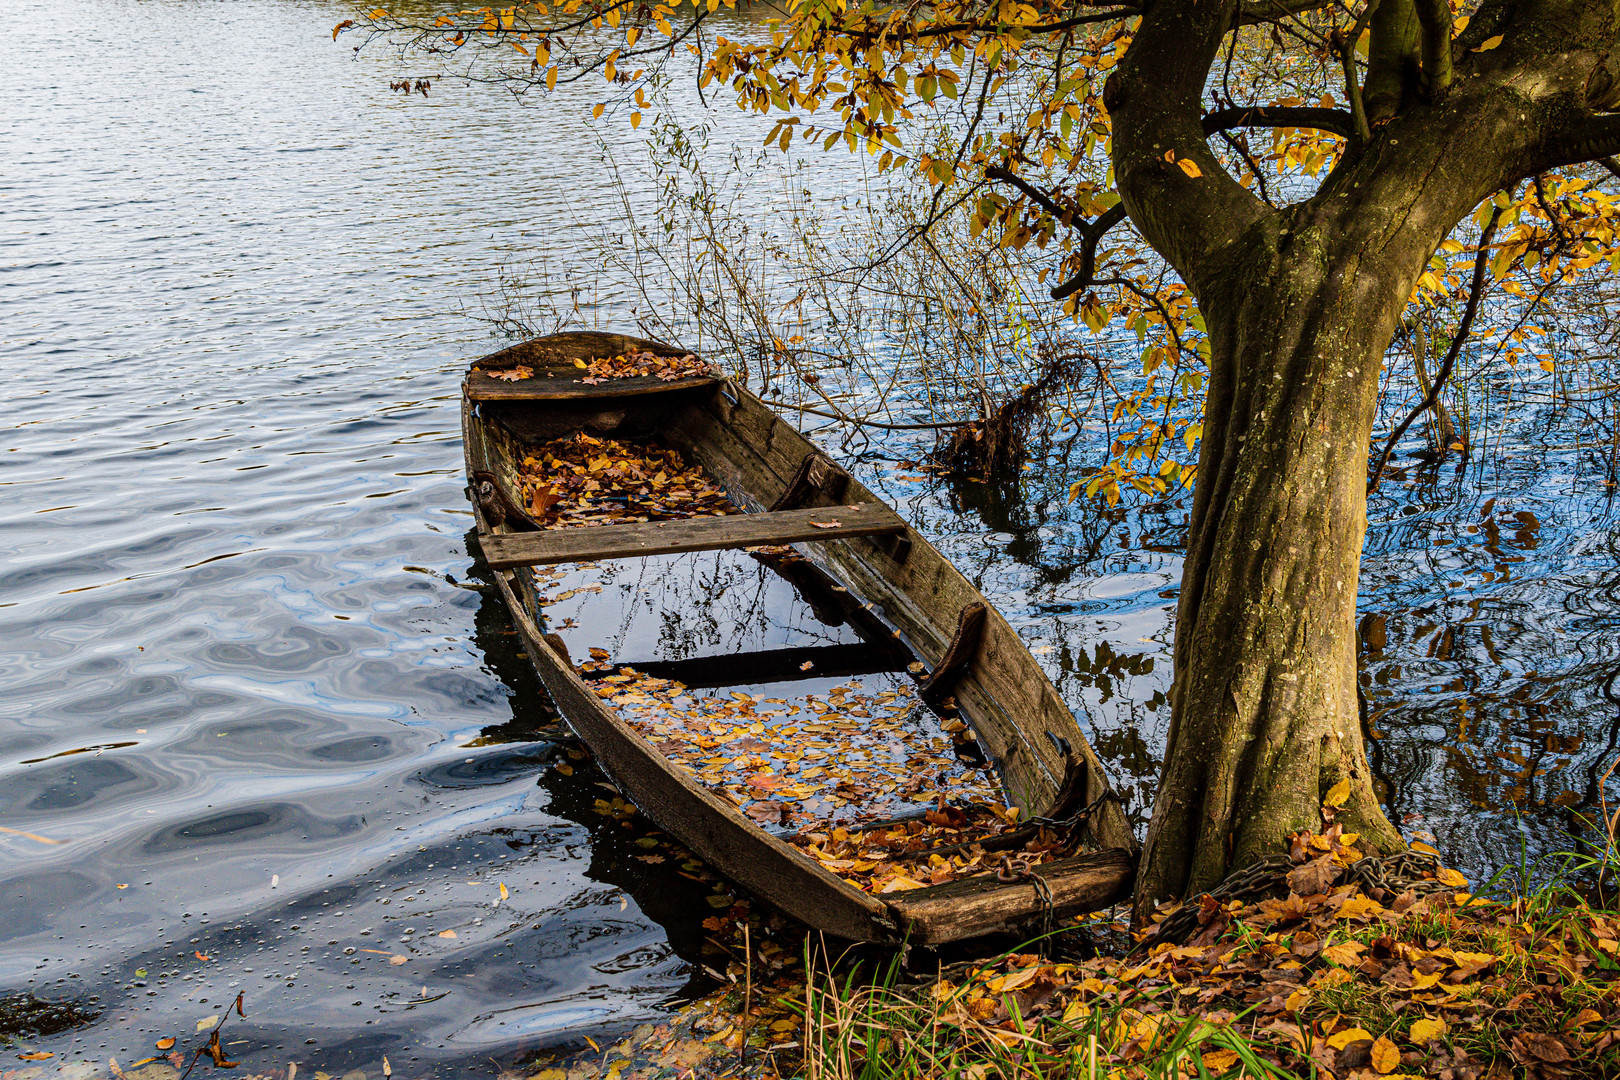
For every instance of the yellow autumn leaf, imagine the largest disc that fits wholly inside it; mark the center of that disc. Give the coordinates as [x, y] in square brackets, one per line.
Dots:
[447, 933]
[551, 78]
[1220, 1060]
[1360, 907]
[1489, 43]
[1426, 1029]
[1190, 167]
[1451, 878]
[635, 120]
[1341, 1039]
[503, 890]
[1386, 1056]
[1347, 954]
[1338, 793]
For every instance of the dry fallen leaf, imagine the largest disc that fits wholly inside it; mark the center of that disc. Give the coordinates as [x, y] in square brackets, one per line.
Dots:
[164, 1044]
[38, 1055]
[835, 523]
[1386, 1056]
[512, 375]
[1427, 1029]
[447, 933]
[398, 960]
[217, 1052]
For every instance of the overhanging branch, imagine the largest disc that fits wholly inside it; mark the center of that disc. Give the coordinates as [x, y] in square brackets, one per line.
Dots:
[1094, 233]
[1336, 121]
[1594, 140]
[1065, 214]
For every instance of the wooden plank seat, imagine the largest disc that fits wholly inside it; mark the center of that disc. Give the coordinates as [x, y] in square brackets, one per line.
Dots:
[568, 384]
[772, 665]
[632, 541]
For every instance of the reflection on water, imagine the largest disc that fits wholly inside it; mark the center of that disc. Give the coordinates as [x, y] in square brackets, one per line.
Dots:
[266, 729]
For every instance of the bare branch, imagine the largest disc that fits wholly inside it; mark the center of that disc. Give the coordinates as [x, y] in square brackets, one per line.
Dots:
[1440, 377]
[1435, 17]
[1065, 214]
[1088, 252]
[1336, 121]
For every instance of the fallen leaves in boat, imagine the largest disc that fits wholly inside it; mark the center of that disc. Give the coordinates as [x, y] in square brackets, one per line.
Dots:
[829, 765]
[513, 374]
[582, 481]
[643, 364]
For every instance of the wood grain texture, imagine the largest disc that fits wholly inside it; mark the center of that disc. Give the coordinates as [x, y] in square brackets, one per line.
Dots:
[688, 534]
[566, 384]
[971, 908]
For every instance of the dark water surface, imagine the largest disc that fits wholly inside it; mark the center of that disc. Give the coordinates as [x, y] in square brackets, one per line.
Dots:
[255, 703]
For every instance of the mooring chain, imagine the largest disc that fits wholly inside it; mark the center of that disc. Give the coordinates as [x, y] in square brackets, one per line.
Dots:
[1079, 816]
[1013, 868]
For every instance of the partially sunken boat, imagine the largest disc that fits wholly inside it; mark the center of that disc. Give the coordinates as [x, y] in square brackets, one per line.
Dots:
[859, 564]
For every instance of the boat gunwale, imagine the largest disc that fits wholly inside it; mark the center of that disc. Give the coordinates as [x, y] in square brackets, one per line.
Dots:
[864, 916]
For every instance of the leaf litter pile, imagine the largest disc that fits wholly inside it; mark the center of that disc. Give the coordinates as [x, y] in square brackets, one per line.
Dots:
[822, 765]
[582, 481]
[630, 365]
[1330, 975]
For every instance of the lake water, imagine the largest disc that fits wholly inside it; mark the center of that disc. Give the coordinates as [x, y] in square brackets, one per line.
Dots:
[256, 710]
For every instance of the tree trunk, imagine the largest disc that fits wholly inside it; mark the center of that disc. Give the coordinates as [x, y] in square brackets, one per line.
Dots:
[1264, 716]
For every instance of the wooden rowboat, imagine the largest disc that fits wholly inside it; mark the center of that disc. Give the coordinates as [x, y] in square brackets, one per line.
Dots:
[913, 599]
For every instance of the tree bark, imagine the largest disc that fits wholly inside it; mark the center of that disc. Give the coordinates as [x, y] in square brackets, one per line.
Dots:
[1265, 717]
[1301, 303]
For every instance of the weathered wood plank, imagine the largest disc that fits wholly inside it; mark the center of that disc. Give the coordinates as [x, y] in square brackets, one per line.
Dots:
[977, 906]
[751, 451]
[774, 665]
[688, 534]
[566, 385]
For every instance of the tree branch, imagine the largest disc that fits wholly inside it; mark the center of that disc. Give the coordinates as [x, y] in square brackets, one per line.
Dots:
[1361, 130]
[1480, 261]
[1185, 204]
[1436, 20]
[1035, 194]
[1088, 252]
[1594, 140]
[1336, 121]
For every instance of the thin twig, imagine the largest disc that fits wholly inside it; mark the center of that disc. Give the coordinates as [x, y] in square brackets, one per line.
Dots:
[1444, 372]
